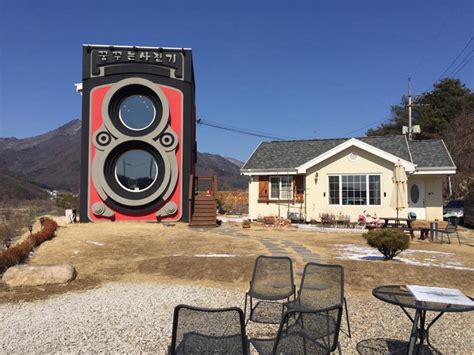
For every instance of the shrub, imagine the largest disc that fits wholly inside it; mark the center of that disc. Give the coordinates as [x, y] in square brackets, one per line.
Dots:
[327, 219]
[67, 200]
[390, 242]
[19, 252]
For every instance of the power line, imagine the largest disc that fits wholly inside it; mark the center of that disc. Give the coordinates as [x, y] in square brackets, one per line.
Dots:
[431, 39]
[463, 63]
[456, 70]
[243, 131]
[457, 57]
[365, 127]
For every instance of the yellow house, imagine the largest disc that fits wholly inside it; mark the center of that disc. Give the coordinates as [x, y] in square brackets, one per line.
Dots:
[308, 178]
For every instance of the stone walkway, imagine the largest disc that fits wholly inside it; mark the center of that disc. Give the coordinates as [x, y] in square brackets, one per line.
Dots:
[286, 247]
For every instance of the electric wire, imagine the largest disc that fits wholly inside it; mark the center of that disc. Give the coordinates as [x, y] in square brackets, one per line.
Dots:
[462, 64]
[243, 131]
[457, 57]
[260, 134]
[365, 127]
[456, 70]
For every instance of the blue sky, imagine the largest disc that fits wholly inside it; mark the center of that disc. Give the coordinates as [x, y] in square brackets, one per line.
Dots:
[290, 68]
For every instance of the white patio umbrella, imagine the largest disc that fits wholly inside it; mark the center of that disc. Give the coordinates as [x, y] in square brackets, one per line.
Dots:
[399, 194]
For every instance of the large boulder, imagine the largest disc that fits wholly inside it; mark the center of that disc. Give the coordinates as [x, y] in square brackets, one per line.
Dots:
[37, 275]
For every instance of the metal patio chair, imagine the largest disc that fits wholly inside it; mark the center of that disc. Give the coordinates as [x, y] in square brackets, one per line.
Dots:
[450, 229]
[208, 331]
[306, 332]
[322, 286]
[272, 280]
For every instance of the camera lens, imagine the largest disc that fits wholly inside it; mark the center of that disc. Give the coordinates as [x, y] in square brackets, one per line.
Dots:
[136, 170]
[137, 112]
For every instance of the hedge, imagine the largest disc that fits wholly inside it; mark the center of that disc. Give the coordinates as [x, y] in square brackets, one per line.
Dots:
[20, 252]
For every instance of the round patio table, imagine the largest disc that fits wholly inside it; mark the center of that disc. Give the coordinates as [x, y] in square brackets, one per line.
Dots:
[400, 296]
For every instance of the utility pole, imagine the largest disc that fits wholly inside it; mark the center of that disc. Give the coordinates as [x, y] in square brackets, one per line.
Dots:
[410, 132]
[410, 129]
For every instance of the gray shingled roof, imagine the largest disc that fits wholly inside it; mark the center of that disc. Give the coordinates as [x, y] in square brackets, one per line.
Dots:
[430, 153]
[291, 154]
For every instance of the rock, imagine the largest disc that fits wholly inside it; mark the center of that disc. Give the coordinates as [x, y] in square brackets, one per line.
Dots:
[37, 275]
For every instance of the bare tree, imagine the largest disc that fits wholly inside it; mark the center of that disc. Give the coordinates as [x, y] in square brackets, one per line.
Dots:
[459, 139]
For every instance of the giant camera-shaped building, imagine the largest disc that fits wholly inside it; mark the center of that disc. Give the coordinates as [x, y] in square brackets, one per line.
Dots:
[138, 133]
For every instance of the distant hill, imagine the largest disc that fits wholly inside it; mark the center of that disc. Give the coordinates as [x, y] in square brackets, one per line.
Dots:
[228, 173]
[16, 188]
[236, 162]
[53, 160]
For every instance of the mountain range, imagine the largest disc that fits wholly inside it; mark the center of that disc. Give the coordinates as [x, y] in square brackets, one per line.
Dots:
[52, 160]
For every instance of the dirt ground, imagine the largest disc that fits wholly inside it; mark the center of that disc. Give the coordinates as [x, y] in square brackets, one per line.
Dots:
[224, 256]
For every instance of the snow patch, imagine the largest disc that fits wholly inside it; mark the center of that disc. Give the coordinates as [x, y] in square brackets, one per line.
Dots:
[95, 243]
[313, 228]
[214, 255]
[409, 257]
[228, 219]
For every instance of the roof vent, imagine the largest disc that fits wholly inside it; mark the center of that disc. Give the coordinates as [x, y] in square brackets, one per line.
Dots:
[353, 157]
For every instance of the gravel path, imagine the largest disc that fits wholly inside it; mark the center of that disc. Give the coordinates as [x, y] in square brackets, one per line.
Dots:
[137, 317]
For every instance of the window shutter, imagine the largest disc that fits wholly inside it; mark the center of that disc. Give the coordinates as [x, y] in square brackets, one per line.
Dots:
[299, 187]
[263, 187]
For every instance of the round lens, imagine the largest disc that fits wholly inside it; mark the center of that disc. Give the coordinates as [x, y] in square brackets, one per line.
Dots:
[137, 112]
[136, 170]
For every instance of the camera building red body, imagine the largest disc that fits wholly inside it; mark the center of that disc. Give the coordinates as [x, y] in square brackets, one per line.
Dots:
[138, 133]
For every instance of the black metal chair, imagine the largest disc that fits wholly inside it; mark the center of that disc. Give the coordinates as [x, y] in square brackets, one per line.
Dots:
[322, 286]
[450, 229]
[272, 280]
[208, 331]
[310, 332]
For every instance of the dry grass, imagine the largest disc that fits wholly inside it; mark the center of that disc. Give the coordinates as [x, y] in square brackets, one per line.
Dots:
[134, 251]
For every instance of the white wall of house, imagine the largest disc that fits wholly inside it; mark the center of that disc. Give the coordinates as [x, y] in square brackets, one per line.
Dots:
[273, 208]
[343, 163]
[433, 196]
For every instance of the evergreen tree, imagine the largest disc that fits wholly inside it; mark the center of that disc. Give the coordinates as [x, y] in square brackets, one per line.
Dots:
[446, 112]
[433, 110]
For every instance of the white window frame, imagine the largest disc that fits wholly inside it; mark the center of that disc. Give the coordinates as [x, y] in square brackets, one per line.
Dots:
[366, 184]
[279, 187]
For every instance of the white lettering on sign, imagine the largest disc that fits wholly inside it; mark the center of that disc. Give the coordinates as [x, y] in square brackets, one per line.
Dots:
[145, 55]
[117, 55]
[171, 58]
[103, 55]
[158, 57]
[131, 56]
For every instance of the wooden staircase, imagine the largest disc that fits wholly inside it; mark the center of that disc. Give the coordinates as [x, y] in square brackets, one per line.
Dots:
[202, 204]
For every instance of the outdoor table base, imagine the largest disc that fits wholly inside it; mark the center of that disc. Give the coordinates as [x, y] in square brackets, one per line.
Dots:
[397, 295]
[418, 330]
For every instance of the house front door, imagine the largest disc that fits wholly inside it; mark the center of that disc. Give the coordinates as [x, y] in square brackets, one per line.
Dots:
[416, 198]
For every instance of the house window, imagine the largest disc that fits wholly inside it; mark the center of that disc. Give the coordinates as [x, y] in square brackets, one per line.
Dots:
[414, 193]
[359, 190]
[334, 190]
[354, 190]
[374, 190]
[280, 187]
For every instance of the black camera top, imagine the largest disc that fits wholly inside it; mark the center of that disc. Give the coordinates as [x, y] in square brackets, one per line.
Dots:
[105, 60]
